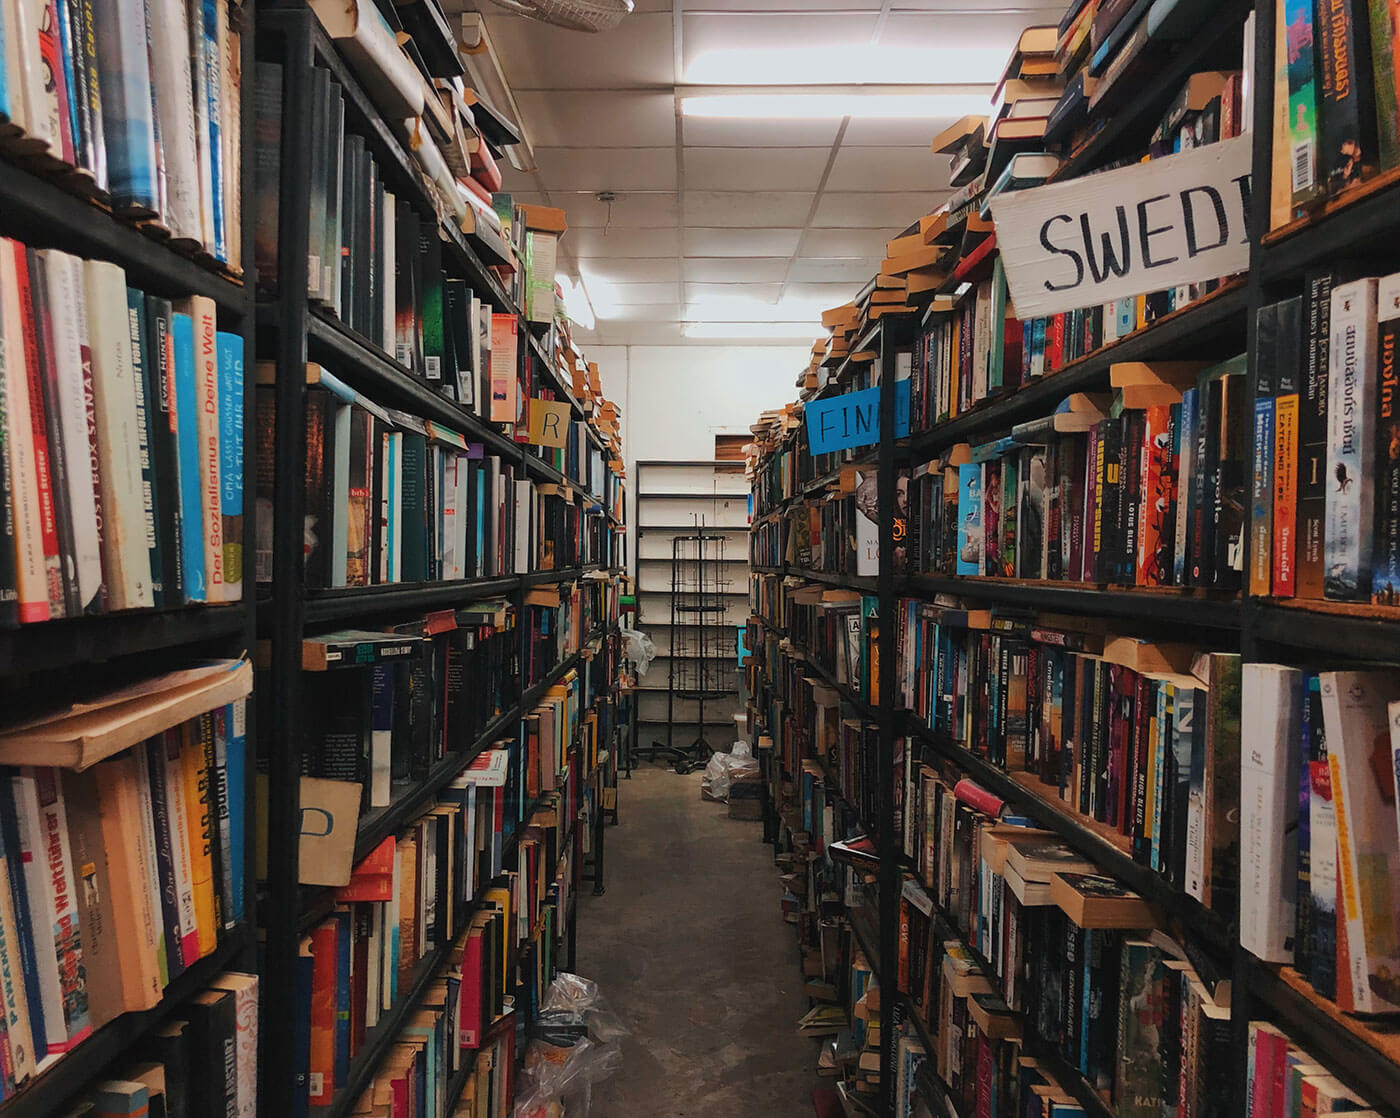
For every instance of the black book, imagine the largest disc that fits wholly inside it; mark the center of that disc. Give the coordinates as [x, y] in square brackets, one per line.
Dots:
[1346, 108]
[362, 242]
[413, 506]
[320, 99]
[170, 1047]
[432, 307]
[340, 716]
[165, 857]
[1110, 496]
[334, 142]
[1072, 960]
[472, 561]
[459, 322]
[320, 485]
[375, 255]
[213, 1083]
[164, 446]
[1201, 537]
[267, 169]
[361, 510]
[1103, 969]
[406, 340]
[1385, 563]
[219, 809]
[147, 415]
[1231, 466]
[53, 429]
[1129, 499]
[350, 260]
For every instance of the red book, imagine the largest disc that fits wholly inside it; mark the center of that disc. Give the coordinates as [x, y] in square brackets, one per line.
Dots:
[363, 922]
[478, 189]
[321, 1067]
[484, 168]
[976, 262]
[1055, 343]
[974, 795]
[471, 1011]
[373, 878]
[1156, 500]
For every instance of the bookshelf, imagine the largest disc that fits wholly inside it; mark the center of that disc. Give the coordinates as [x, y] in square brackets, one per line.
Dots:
[1360, 224]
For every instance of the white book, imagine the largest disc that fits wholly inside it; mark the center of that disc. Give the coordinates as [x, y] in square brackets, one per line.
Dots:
[1271, 748]
[126, 560]
[200, 308]
[23, 465]
[387, 280]
[374, 972]
[40, 100]
[64, 278]
[199, 85]
[1351, 440]
[232, 104]
[174, 100]
[369, 43]
[447, 488]
[1355, 711]
[524, 504]
[180, 845]
[43, 911]
[17, 46]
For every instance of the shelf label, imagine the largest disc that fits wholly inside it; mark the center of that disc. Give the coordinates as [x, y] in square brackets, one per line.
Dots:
[1150, 227]
[853, 419]
[548, 423]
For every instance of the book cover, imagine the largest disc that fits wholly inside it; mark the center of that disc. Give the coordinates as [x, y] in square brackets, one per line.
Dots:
[1305, 182]
[1268, 342]
[219, 734]
[147, 415]
[213, 1017]
[163, 439]
[1289, 375]
[1385, 562]
[970, 541]
[170, 59]
[321, 1069]
[229, 356]
[206, 399]
[1355, 710]
[180, 843]
[186, 420]
[1350, 440]
[1346, 108]
[123, 70]
[167, 887]
[1310, 554]
[199, 810]
[133, 918]
[1185, 486]
[505, 389]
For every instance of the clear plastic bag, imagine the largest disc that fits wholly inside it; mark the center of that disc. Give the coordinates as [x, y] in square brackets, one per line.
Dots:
[574, 1043]
[723, 769]
[638, 648]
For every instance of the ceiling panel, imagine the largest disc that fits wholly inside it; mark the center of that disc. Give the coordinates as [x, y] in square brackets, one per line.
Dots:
[764, 209]
[764, 292]
[739, 242]
[973, 33]
[862, 210]
[841, 269]
[735, 269]
[715, 43]
[635, 293]
[781, 5]
[888, 169]
[827, 294]
[625, 242]
[607, 168]
[590, 119]
[754, 168]
[629, 210]
[622, 270]
[848, 242]
[642, 312]
[536, 56]
[706, 131]
[869, 132]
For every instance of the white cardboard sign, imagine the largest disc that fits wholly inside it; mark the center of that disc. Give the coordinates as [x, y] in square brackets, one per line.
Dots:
[1149, 227]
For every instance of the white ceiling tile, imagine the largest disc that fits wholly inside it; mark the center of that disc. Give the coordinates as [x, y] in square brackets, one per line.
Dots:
[739, 242]
[735, 269]
[967, 29]
[625, 242]
[714, 40]
[719, 132]
[872, 132]
[847, 242]
[607, 168]
[842, 269]
[639, 293]
[864, 210]
[754, 168]
[634, 210]
[591, 119]
[644, 312]
[783, 5]
[623, 270]
[519, 182]
[829, 294]
[739, 289]
[761, 209]
[646, 333]
[536, 56]
[888, 169]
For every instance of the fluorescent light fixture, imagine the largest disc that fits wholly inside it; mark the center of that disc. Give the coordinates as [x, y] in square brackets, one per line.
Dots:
[752, 331]
[848, 65]
[833, 106]
[576, 304]
[602, 296]
[747, 308]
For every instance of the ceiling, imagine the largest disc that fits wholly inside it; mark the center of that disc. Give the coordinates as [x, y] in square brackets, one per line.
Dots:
[723, 220]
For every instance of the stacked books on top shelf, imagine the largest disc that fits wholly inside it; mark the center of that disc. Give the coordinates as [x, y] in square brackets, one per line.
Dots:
[1335, 83]
[1325, 497]
[139, 106]
[122, 485]
[1142, 488]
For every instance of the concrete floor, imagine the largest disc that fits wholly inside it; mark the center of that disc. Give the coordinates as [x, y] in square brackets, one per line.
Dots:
[690, 948]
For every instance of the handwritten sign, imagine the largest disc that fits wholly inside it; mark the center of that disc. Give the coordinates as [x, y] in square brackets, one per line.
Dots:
[549, 423]
[1149, 227]
[853, 419]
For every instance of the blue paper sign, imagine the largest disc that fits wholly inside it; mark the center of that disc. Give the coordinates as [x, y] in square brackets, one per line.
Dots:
[853, 419]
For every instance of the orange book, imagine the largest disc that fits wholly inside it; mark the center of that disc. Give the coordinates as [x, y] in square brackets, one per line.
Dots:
[131, 894]
[408, 909]
[321, 1068]
[1158, 497]
[373, 878]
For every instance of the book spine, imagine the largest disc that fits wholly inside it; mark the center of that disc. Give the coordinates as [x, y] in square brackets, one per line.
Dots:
[180, 844]
[19, 1046]
[1350, 440]
[1301, 103]
[67, 927]
[1346, 112]
[34, 909]
[230, 440]
[220, 737]
[236, 781]
[142, 373]
[123, 71]
[153, 920]
[185, 418]
[206, 398]
[166, 885]
[1385, 564]
[1261, 514]
[209, 56]
[1287, 426]
[161, 434]
[200, 815]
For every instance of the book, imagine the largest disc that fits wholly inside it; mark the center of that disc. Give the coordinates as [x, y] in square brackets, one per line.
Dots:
[1385, 559]
[1346, 108]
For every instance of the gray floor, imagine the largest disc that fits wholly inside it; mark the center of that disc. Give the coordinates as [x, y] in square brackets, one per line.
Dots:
[689, 946]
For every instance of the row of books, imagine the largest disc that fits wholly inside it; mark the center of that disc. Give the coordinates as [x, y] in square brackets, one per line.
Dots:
[1335, 81]
[143, 103]
[1282, 1079]
[122, 485]
[1143, 737]
[1325, 485]
[202, 1061]
[1317, 770]
[116, 880]
[837, 532]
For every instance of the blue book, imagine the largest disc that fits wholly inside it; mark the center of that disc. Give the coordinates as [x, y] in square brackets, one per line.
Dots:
[213, 91]
[342, 994]
[1261, 499]
[187, 457]
[64, 11]
[124, 79]
[970, 539]
[6, 112]
[24, 923]
[1185, 474]
[236, 719]
[229, 353]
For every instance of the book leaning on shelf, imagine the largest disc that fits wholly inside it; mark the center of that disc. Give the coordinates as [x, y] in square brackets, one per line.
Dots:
[144, 102]
[122, 485]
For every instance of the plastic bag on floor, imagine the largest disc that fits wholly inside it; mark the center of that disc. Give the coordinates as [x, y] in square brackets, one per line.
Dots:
[725, 769]
[574, 1043]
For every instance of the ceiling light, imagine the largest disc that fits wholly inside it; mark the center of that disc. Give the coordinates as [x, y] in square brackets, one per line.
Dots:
[833, 106]
[748, 308]
[848, 65]
[752, 331]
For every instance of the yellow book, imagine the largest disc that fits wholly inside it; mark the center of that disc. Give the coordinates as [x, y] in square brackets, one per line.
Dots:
[199, 809]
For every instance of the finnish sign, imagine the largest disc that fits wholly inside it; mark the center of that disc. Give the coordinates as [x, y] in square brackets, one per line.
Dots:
[1149, 227]
[853, 419]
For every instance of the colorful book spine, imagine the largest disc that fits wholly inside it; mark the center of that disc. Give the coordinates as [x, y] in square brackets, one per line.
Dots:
[1346, 112]
[1288, 380]
[123, 70]
[1261, 512]
[1385, 563]
[187, 445]
[1302, 102]
[1385, 74]
[229, 348]
[1310, 558]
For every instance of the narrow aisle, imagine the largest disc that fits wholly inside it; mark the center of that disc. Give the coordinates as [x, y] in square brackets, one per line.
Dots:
[690, 948]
